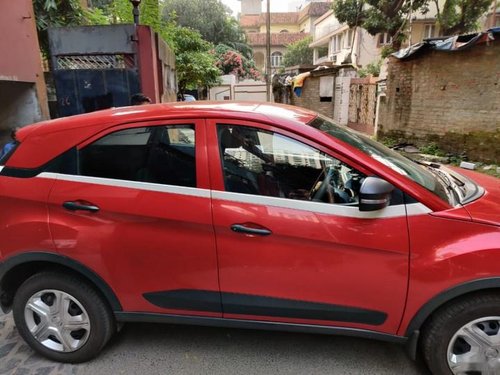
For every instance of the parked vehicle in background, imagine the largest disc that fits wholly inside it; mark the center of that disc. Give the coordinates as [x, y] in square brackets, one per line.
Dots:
[244, 215]
[185, 98]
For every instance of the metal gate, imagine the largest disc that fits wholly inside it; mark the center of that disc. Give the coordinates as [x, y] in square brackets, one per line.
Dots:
[93, 67]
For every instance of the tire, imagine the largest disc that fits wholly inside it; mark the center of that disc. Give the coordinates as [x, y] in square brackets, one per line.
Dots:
[71, 321]
[464, 337]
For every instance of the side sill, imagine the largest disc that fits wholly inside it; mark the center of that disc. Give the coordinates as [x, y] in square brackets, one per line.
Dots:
[137, 317]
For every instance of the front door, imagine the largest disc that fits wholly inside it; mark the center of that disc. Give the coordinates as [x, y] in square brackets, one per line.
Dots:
[292, 243]
[135, 207]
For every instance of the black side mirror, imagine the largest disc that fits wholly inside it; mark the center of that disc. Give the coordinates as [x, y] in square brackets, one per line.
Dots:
[374, 194]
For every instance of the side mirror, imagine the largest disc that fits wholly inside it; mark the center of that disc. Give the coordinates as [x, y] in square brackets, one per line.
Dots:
[374, 194]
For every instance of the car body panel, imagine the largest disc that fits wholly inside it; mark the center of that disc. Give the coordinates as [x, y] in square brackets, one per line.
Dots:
[484, 210]
[24, 216]
[447, 252]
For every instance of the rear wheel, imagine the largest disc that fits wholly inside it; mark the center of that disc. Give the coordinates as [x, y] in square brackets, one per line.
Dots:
[464, 337]
[62, 317]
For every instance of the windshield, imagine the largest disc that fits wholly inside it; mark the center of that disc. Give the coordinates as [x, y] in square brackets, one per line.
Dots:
[379, 152]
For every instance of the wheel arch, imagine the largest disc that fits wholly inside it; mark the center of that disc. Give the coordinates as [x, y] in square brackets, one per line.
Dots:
[15, 270]
[413, 330]
[448, 295]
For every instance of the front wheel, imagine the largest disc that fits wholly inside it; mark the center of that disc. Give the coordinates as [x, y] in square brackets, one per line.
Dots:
[62, 317]
[464, 337]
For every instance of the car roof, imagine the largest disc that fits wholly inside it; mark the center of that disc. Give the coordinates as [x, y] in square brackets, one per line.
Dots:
[41, 142]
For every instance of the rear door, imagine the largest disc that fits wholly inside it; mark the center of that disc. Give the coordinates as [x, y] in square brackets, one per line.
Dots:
[292, 251]
[137, 211]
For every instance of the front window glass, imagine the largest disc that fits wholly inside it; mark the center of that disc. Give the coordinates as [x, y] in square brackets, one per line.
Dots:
[160, 154]
[265, 163]
[385, 155]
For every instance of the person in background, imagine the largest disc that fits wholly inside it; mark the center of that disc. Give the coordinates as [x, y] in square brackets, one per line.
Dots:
[9, 145]
[139, 99]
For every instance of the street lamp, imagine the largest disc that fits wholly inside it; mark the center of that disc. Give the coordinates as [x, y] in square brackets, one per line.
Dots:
[135, 12]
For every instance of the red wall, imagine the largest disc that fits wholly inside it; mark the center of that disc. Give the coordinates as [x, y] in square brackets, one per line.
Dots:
[19, 50]
[19, 44]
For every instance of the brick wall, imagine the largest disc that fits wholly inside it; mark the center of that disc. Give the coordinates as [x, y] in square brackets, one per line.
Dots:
[452, 98]
[310, 98]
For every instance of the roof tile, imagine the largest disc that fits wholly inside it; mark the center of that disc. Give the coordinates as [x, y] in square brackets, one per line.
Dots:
[277, 39]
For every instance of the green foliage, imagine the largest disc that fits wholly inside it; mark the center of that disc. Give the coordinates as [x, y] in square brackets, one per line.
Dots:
[299, 53]
[195, 64]
[56, 13]
[210, 17]
[391, 16]
[95, 16]
[389, 141]
[432, 148]
[372, 69]
[379, 16]
[386, 51]
[461, 16]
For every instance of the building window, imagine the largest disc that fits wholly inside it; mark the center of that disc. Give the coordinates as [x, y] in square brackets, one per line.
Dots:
[430, 31]
[276, 59]
[337, 42]
[348, 38]
[384, 39]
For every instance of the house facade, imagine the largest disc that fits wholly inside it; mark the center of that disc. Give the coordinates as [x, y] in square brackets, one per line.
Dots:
[286, 28]
[338, 43]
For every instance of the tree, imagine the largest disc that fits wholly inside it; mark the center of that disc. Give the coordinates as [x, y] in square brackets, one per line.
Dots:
[392, 16]
[299, 53]
[379, 16]
[460, 16]
[56, 13]
[211, 18]
[195, 65]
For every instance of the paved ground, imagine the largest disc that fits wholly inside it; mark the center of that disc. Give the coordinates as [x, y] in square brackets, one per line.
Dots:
[167, 349]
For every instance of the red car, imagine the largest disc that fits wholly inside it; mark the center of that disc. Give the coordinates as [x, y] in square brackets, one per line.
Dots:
[244, 215]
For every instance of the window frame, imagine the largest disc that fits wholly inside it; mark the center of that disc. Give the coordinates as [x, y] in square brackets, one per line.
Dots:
[383, 39]
[202, 177]
[215, 162]
[337, 43]
[290, 161]
[348, 39]
[430, 30]
[276, 57]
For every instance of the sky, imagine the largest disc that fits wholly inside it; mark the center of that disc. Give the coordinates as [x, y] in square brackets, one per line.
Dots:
[276, 5]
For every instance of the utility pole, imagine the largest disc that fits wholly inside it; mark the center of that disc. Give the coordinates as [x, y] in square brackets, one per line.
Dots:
[268, 51]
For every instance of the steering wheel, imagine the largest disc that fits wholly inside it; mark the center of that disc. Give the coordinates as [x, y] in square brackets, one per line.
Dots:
[325, 187]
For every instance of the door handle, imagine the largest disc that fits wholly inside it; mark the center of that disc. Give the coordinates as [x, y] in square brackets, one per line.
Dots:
[80, 206]
[241, 228]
